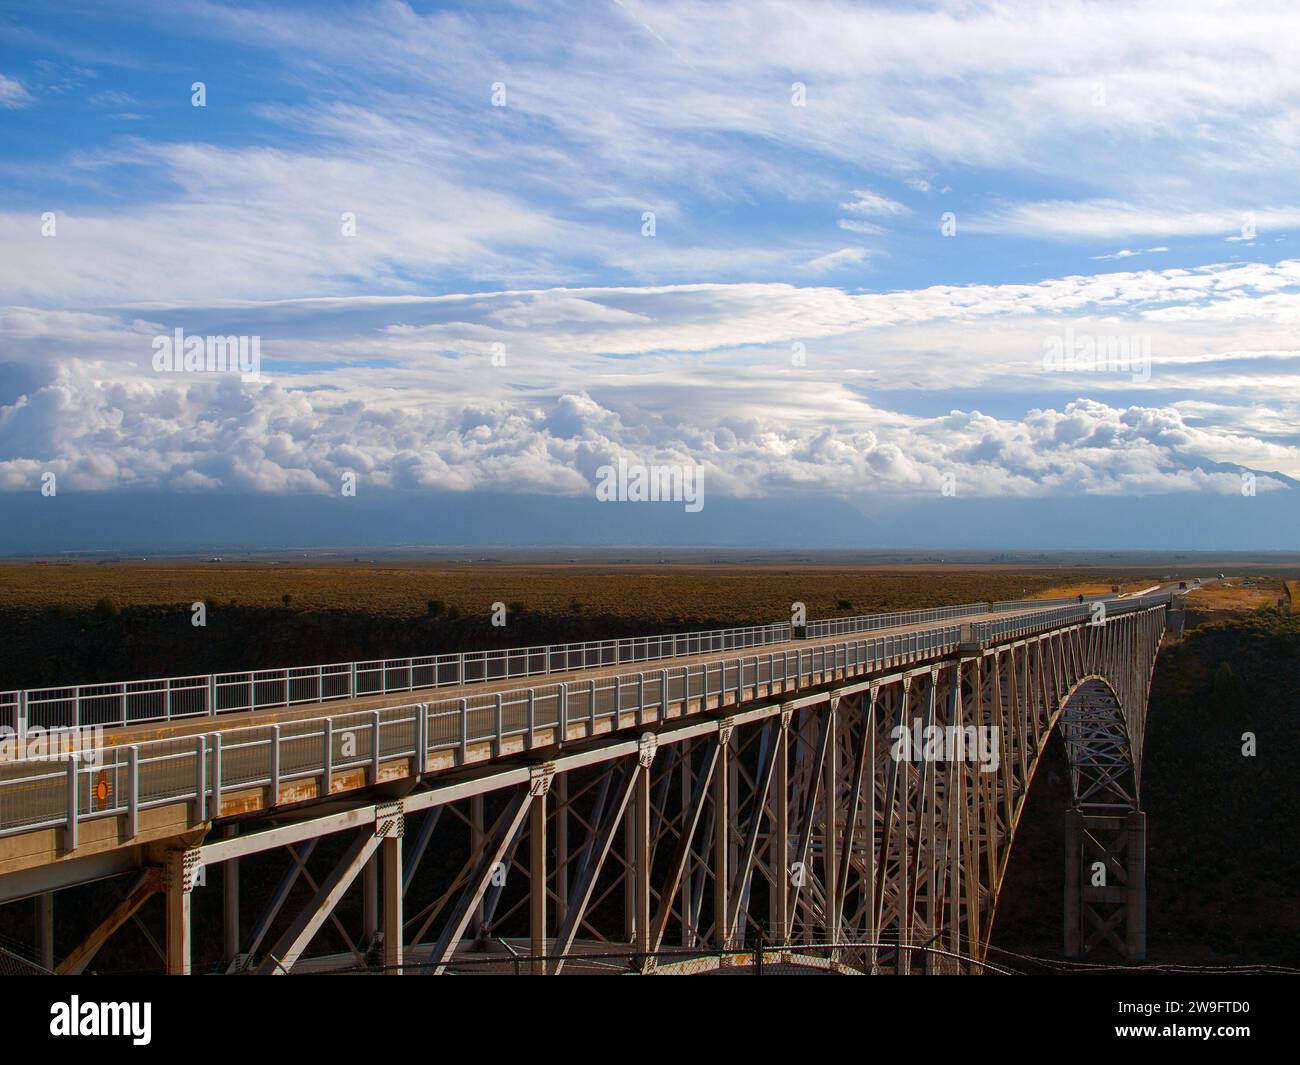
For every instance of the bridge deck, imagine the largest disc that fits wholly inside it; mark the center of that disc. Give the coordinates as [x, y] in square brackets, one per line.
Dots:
[141, 733]
[158, 781]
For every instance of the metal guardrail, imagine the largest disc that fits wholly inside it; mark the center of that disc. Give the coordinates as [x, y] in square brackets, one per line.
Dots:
[131, 702]
[873, 622]
[119, 703]
[983, 632]
[200, 769]
[1029, 604]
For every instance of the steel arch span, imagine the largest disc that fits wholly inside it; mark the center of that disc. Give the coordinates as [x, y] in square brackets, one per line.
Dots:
[892, 845]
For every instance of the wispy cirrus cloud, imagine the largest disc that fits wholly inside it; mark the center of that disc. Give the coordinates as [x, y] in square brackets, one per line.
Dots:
[866, 202]
[602, 121]
[12, 93]
[1067, 220]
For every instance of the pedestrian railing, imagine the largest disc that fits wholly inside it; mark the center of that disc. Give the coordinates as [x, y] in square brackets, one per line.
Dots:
[119, 703]
[874, 622]
[1008, 605]
[1093, 611]
[123, 780]
[131, 702]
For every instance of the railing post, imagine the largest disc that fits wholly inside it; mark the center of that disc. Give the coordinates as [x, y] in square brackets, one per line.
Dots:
[464, 726]
[421, 737]
[212, 695]
[532, 716]
[374, 746]
[500, 721]
[200, 778]
[275, 765]
[327, 756]
[132, 791]
[663, 695]
[70, 835]
[564, 712]
[216, 775]
[21, 723]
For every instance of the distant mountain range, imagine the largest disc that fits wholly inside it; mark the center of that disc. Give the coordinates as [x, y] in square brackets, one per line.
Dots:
[72, 522]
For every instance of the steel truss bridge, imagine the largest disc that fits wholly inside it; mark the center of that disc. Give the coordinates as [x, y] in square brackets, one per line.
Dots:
[749, 788]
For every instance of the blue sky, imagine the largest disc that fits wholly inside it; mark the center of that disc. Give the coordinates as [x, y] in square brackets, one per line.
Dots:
[1119, 173]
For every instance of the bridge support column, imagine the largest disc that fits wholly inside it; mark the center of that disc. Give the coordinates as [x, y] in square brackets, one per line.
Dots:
[639, 870]
[688, 858]
[230, 903]
[539, 786]
[370, 901]
[562, 842]
[537, 884]
[629, 871]
[476, 929]
[831, 827]
[1105, 884]
[1073, 859]
[391, 857]
[178, 881]
[722, 841]
[45, 930]
[779, 920]
[1136, 901]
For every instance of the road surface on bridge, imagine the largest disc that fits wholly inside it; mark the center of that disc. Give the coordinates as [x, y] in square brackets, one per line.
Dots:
[132, 734]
